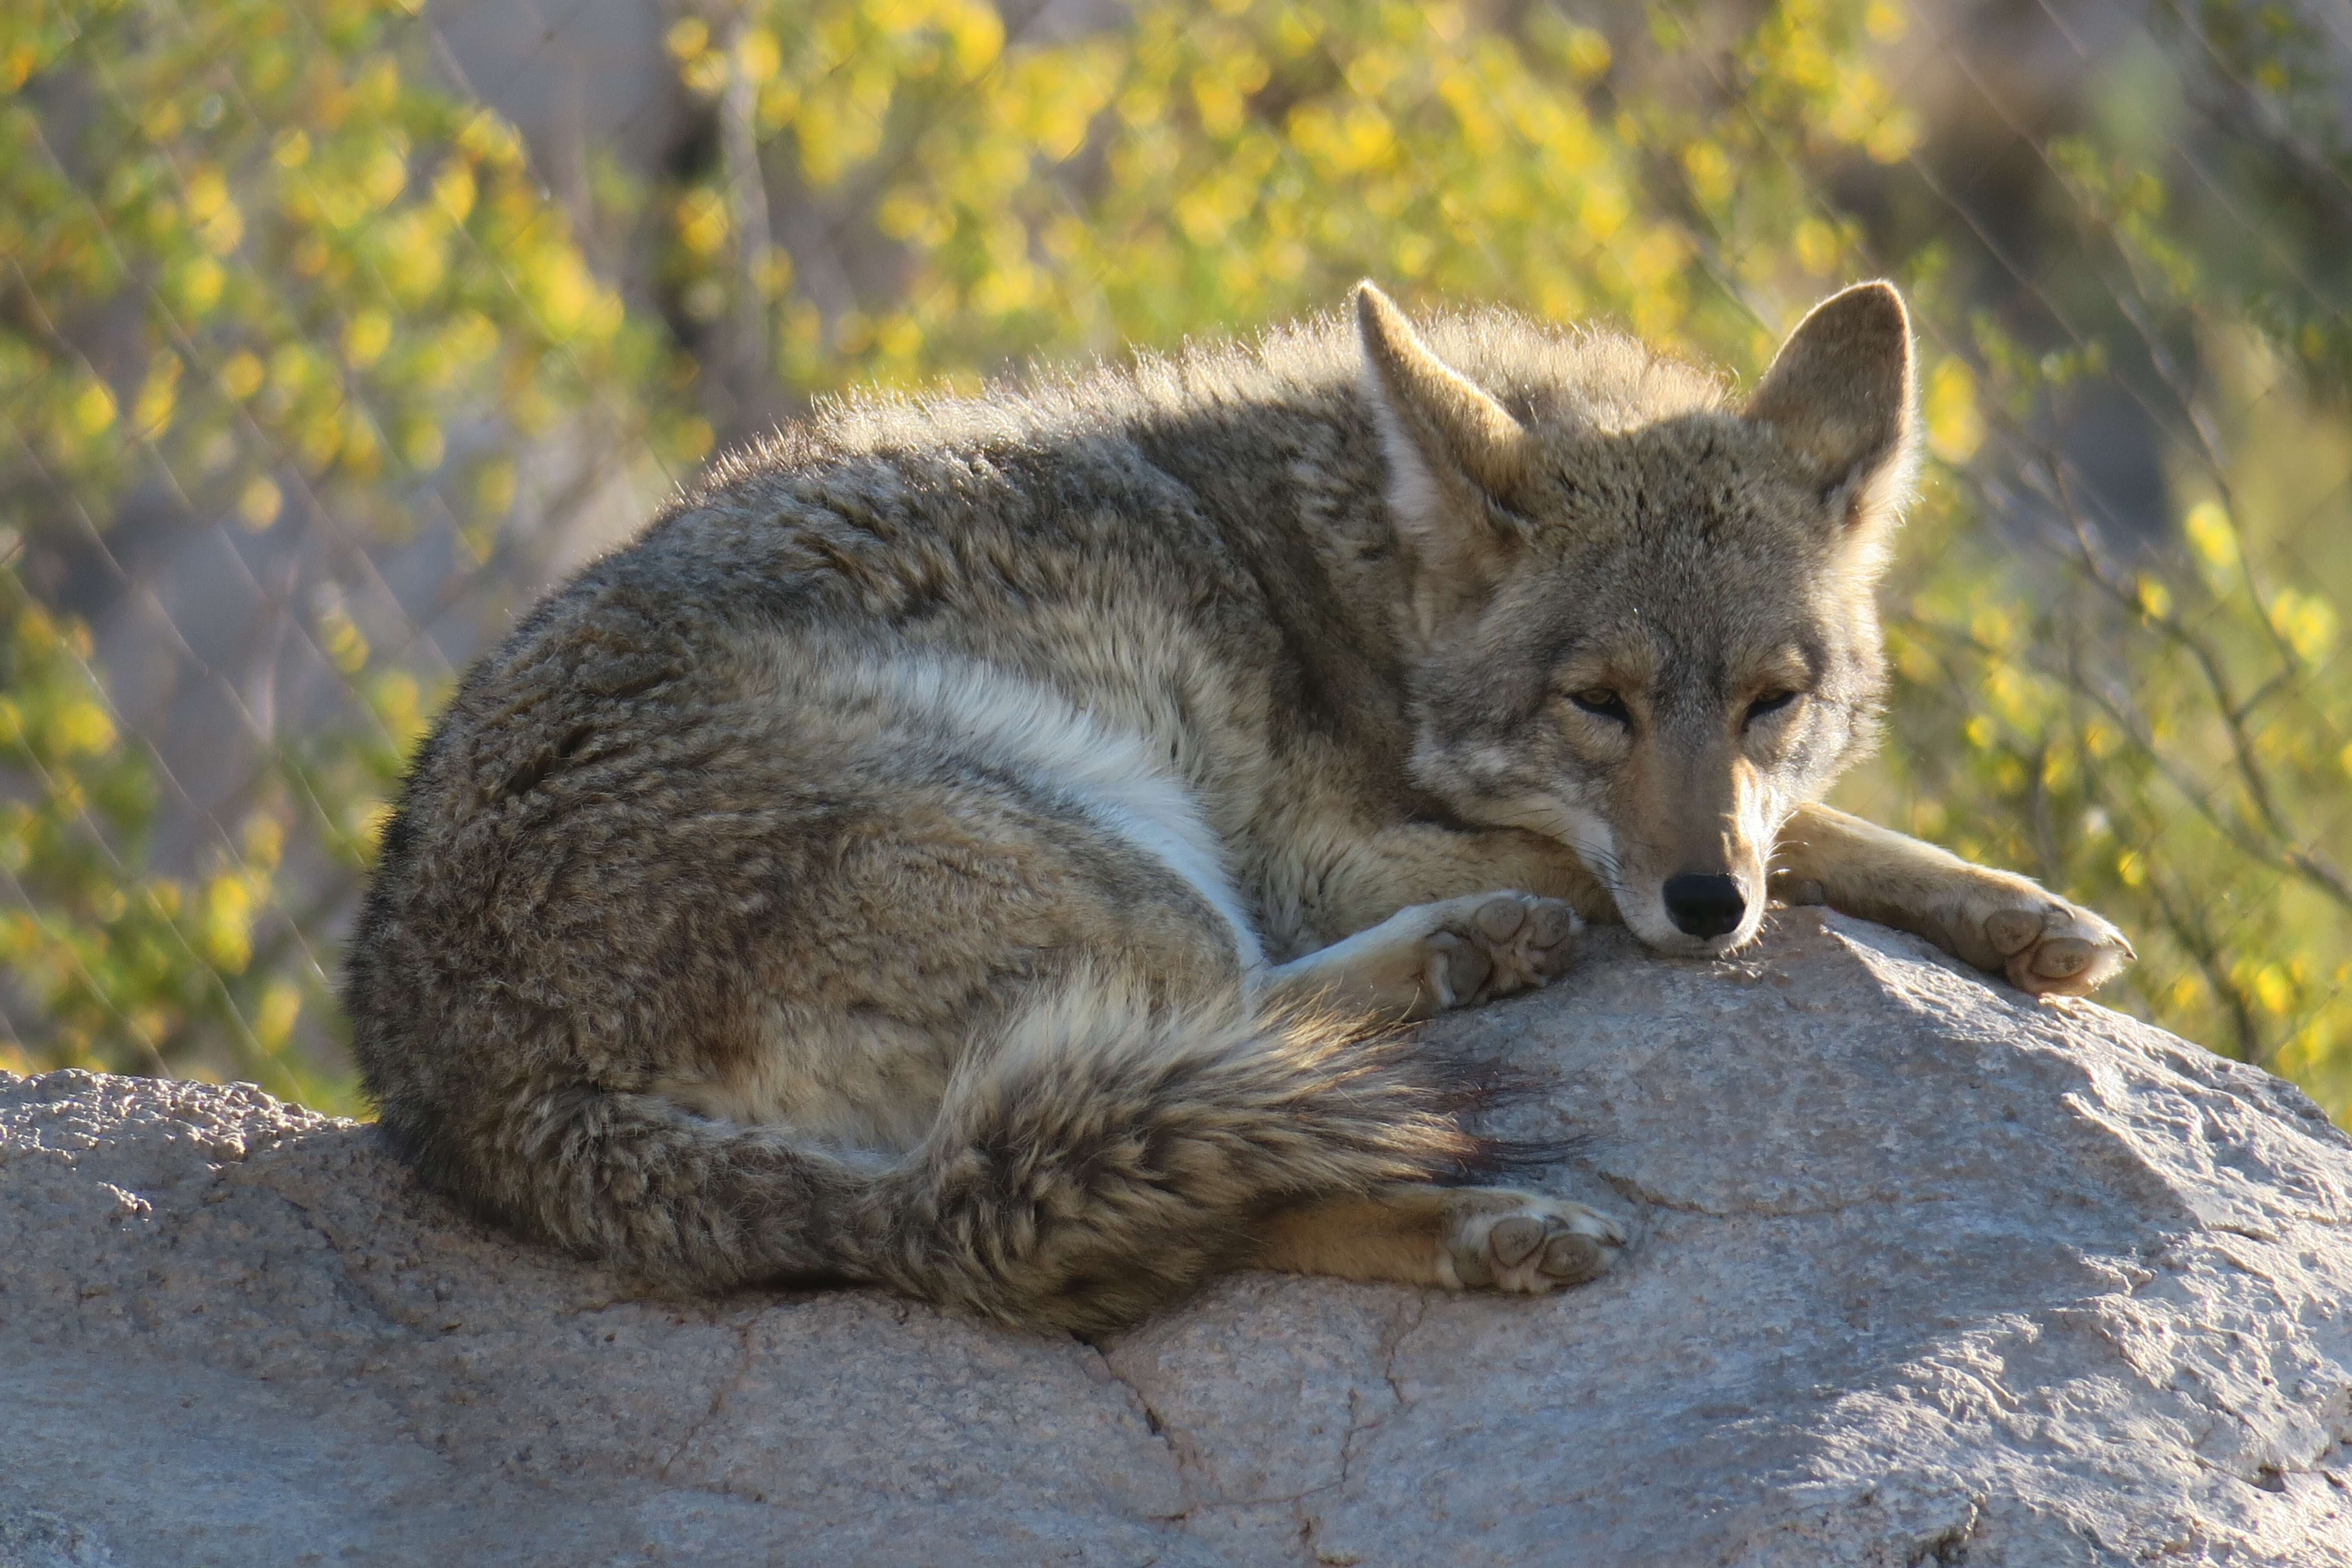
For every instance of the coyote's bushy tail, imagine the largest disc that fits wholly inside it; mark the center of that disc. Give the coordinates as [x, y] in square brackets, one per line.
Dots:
[1105, 1155]
[1095, 1160]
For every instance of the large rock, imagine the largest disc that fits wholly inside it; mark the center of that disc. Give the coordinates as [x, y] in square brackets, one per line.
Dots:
[1925, 1273]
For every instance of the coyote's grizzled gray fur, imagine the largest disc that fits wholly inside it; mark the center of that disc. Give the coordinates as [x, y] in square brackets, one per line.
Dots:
[960, 845]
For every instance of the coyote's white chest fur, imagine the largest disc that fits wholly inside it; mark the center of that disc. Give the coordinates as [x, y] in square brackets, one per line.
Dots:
[976, 848]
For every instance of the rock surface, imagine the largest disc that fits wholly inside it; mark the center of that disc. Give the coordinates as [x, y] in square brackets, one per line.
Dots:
[1925, 1274]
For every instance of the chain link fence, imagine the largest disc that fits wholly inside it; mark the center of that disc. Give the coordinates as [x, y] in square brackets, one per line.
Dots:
[332, 330]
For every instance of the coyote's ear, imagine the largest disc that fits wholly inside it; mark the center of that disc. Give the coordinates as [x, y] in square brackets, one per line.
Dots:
[1839, 395]
[1457, 460]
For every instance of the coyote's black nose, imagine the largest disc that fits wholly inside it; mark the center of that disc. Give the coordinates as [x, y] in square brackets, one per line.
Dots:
[1705, 905]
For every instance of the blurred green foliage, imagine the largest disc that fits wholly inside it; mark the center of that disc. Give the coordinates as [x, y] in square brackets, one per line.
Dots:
[329, 257]
[315, 258]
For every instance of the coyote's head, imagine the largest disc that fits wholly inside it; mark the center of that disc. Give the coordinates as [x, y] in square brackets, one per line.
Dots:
[1642, 619]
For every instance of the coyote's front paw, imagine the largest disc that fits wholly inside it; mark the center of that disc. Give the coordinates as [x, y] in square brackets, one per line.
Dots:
[1429, 957]
[1491, 945]
[1498, 1239]
[2050, 947]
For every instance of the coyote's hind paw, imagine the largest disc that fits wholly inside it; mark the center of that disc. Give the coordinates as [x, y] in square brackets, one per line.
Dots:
[2050, 947]
[1499, 1239]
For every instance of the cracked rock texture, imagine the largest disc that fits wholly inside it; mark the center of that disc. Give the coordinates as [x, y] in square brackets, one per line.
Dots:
[1925, 1273]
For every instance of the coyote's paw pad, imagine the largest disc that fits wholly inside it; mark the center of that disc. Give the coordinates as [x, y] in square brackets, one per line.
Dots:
[1491, 945]
[2050, 947]
[1454, 952]
[1525, 1243]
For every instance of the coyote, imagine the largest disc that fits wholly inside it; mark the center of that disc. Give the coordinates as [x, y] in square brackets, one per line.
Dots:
[981, 847]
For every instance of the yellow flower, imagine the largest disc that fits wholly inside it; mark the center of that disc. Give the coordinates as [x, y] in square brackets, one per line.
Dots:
[701, 221]
[258, 503]
[758, 55]
[81, 729]
[2211, 534]
[241, 376]
[1955, 424]
[273, 1020]
[93, 409]
[366, 337]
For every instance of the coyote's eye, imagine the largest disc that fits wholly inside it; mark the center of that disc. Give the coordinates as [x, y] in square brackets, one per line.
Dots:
[1601, 703]
[1770, 703]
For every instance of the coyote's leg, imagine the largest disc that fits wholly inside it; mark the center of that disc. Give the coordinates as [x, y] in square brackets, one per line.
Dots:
[1459, 1238]
[1430, 957]
[1994, 920]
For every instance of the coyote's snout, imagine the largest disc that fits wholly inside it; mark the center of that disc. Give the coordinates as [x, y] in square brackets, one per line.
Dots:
[1690, 823]
[974, 848]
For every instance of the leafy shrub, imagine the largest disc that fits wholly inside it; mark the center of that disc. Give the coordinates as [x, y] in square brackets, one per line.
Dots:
[265, 264]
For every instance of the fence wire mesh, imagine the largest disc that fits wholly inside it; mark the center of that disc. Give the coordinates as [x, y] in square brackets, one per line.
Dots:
[332, 330]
